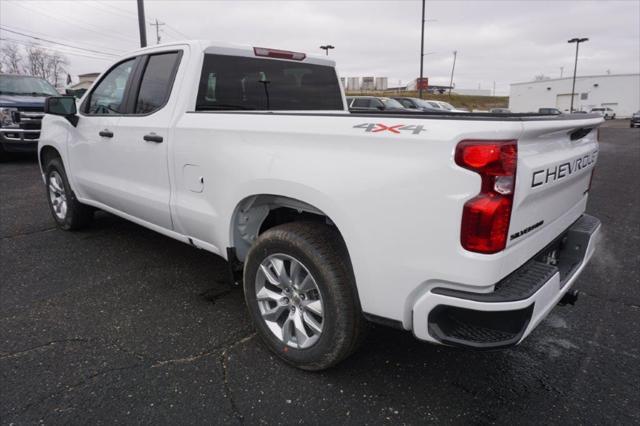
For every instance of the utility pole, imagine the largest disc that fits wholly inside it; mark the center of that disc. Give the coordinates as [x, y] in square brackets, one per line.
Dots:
[157, 25]
[326, 48]
[141, 25]
[421, 54]
[494, 87]
[453, 68]
[577, 41]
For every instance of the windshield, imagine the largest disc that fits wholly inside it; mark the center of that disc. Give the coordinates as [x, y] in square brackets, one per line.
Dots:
[24, 85]
[424, 104]
[391, 103]
[447, 106]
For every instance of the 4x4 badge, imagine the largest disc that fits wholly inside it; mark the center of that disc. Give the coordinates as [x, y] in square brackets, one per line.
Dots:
[396, 128]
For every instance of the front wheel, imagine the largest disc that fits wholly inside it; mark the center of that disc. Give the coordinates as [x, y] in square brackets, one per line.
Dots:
[300, 292]
[66, 210]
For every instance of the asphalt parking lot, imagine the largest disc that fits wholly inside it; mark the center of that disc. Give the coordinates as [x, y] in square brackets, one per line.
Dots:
[117, 324]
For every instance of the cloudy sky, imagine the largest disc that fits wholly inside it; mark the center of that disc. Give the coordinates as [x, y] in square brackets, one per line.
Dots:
[502, 41]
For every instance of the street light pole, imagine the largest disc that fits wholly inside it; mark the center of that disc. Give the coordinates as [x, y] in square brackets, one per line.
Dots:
[143, 28]
[577, 41]
[421, 54]
[453, 68]
[326, 48]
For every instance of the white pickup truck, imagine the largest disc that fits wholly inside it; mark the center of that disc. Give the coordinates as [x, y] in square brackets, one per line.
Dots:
[466, 229]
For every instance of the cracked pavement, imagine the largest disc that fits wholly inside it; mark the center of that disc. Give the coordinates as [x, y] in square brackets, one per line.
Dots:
[116, 324]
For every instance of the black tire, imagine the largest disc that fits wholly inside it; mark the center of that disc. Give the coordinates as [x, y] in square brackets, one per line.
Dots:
[77, 214]
[321, 250]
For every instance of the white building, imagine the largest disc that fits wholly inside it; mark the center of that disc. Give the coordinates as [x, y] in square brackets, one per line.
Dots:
[620, 92]
[381, 83]
[353, 84]
[368, 83]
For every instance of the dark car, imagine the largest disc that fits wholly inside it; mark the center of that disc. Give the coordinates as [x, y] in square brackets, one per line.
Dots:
[373, 103]
[635, 120]
[417, 104]
[21, 110]
[549, 111]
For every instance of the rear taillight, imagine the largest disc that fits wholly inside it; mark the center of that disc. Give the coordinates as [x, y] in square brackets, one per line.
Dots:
[486, 217]
[280, 54]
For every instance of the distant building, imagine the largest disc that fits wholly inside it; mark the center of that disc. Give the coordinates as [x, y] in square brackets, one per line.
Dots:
[381, 83]
[616, 91]
[84, 83]
[368, 83]
[353, 84]
[343, 82]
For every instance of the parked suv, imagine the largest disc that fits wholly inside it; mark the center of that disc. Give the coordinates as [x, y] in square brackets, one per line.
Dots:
[635, 120]
[21, 111]
[373, 103]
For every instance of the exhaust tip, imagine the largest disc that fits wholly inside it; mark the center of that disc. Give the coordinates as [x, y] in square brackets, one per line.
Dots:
[569, 298]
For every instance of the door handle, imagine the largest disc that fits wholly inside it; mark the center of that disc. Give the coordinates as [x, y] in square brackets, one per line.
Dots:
[152, 137]
[106, 133]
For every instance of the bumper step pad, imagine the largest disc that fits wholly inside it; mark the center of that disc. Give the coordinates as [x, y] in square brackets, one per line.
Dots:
[492, 329]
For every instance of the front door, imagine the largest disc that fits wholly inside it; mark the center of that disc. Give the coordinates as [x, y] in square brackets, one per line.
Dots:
[92, 146]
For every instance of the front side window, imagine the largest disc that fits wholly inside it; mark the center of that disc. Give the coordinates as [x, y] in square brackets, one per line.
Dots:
[108, 96]
[156, 83]
[241, 83]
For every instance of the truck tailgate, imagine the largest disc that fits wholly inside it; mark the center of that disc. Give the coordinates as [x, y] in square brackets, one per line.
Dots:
[555, 163]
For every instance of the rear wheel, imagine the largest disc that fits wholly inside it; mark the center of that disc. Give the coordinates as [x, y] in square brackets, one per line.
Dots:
[300, 292]
[66, 210]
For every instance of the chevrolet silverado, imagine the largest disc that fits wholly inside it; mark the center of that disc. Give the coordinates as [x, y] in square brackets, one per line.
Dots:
[466, 229]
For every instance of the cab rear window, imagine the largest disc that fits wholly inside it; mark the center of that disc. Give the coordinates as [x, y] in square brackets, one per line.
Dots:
[243, 83]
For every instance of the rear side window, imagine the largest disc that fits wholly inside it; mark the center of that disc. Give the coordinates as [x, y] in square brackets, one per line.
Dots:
[361, 103]
[239, 83]
[156, 83]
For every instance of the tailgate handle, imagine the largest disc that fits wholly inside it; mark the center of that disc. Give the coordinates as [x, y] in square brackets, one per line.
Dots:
[106, 133]
[580, 133]
[152, 137]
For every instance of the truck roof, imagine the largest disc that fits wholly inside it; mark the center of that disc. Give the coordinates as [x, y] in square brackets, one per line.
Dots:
[224, 48]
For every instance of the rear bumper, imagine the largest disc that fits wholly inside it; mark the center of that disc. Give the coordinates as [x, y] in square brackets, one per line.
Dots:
[518, 303]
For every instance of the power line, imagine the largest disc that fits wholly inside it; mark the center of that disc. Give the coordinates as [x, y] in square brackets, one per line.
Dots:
[70, 53]
[3, 28]
[101, 33]
[57, 39]
[178, 32]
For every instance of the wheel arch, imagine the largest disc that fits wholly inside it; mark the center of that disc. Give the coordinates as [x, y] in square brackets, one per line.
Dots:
[46, 153]
[256, 213]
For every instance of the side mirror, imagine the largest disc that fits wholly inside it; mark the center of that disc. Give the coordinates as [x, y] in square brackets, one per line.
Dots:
[380, 107]
[64, 106]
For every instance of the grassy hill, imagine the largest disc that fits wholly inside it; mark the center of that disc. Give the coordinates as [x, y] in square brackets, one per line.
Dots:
[469, 102]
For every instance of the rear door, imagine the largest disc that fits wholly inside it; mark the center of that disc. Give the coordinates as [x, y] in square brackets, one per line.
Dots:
[139, 159]
[555, 161]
